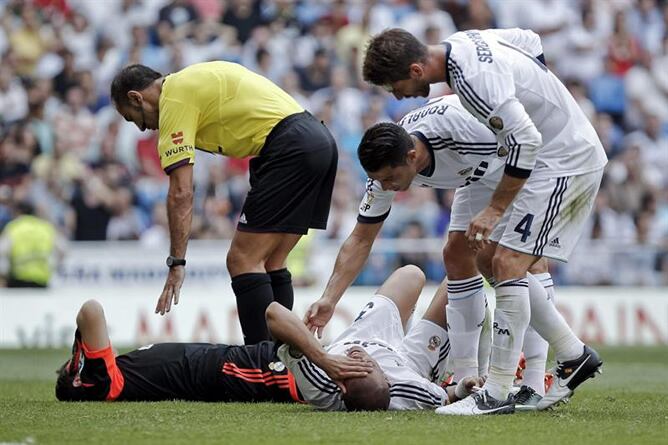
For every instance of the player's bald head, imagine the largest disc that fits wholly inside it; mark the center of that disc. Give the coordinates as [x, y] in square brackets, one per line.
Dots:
[369, 393]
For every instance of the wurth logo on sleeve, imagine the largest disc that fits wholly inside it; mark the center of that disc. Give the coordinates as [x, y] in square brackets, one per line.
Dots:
[177, 137]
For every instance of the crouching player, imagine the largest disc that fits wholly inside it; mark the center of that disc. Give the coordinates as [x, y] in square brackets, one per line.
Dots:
[403, 368]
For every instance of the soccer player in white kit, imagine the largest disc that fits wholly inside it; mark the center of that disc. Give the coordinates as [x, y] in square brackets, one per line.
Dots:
[551, 176]
[406, 365]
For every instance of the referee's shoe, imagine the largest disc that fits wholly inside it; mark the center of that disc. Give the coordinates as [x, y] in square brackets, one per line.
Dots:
[569, 375]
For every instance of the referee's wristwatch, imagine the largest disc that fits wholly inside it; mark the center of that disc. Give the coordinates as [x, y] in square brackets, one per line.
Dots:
[173, 261]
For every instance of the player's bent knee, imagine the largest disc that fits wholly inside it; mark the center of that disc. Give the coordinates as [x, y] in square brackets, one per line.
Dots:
[509, 264]
[484, 260]
[413, 273]
[459, 259]
[90, 313]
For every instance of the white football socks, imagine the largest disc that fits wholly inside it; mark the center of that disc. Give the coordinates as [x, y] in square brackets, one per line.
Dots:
[535, 347]
[549, 323]
[535, 354]
[465, 313]
[511, 318]
[485, 343]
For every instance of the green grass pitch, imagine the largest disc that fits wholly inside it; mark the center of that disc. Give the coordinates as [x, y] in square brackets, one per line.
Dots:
[628, 404]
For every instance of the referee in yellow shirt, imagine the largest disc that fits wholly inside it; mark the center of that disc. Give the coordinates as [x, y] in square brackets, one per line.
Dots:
[224, 108]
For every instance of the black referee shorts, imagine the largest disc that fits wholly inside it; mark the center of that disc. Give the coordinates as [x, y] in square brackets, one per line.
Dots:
[292, 178]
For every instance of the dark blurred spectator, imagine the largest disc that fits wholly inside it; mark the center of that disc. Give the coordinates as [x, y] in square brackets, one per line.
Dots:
[15, 158]
[244, 16]
[318, 74]
[92, 203]
[67, 76]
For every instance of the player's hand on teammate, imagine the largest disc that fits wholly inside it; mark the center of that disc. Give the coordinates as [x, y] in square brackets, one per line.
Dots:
[170, 292]
[481, 227]
[318, 315]
[340, 368]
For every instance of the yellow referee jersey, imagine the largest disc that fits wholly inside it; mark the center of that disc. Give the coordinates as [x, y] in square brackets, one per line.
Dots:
[220, 107]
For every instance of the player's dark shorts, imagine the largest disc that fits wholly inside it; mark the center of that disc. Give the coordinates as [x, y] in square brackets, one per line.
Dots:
[292, 179]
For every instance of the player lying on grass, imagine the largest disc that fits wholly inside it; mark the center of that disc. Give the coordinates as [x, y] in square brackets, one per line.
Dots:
[168, 371]
[405, 366]
[186, 371]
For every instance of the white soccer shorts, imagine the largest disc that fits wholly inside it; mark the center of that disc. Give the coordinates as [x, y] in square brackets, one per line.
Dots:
[425, 346]
[545, 219]
[379, 319]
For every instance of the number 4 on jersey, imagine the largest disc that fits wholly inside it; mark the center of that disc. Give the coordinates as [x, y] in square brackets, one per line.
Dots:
[524, 226]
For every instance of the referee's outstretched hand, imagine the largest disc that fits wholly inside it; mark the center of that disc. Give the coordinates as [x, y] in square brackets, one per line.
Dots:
[171, 290]
[318, 315]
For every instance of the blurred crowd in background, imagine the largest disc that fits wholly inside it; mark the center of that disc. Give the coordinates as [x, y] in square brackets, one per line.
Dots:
[67, 156]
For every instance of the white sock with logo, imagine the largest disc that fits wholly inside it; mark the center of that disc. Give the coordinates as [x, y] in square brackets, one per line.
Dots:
[485, 343]
[536, 347]
[465, 313]
[535, 354]
[548, 322]
[511, 318]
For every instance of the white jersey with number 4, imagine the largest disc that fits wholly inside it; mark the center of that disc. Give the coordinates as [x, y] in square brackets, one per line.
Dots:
[500, 80]
[463, 151]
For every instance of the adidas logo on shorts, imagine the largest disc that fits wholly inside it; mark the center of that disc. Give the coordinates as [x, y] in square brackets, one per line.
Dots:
[555, 243]
[242, 219]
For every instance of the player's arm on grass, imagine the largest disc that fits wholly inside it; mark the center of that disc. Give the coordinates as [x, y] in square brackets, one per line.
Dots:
[349, 262]
[286, 327]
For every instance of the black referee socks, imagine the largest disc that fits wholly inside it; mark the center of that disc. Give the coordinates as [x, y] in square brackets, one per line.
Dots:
[254, 294]
[281, 284]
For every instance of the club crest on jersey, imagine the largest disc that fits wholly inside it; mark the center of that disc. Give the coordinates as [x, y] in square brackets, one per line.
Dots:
[496, 122]
[177, 137]
[277, 366]
[502, 151]
[434, 343]
[465, 171]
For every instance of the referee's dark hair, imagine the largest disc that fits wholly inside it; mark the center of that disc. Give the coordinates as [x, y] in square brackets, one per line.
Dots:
[132, 77]
[367, 394]
[389, 56]
[384, 144]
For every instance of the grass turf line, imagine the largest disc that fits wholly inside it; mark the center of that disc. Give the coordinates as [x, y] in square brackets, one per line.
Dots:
[626, 405]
